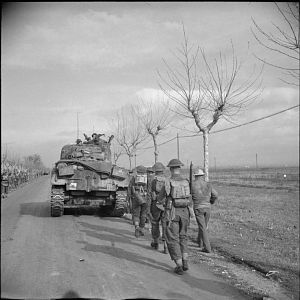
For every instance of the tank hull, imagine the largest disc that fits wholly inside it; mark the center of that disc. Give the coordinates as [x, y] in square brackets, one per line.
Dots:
[85, 182]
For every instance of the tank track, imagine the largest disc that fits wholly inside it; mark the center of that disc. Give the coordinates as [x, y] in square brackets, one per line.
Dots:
[57, 203]
[121, 205]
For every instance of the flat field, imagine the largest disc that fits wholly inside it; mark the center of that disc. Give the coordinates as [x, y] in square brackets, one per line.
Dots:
[256, 221]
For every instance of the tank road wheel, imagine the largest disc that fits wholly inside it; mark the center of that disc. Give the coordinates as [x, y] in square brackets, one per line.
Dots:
[56, 211]
[121, 204]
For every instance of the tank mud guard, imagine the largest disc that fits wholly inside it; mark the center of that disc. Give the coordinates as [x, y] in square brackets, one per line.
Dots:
[121, 204]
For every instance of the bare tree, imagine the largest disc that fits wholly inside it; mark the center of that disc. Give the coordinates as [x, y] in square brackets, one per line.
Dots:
[284, 41]
[214, 94]
[117, 151]
[128, 131]
[155, 117]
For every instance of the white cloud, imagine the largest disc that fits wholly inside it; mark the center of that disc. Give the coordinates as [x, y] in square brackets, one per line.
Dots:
[95, 39]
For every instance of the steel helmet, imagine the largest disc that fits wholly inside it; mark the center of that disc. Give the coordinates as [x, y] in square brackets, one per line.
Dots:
[158, 167]
[150, 169]
[175, 163]
[141, 169]
[199, 172]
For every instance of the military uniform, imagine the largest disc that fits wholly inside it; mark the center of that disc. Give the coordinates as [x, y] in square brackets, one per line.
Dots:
[4, 185]
[177, 212]
[150, 177]
[156, 213]
[203, 196]
[138, 193]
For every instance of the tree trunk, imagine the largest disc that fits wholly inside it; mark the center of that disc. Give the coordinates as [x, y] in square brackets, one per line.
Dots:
[206, 156]
[155, 149]
[129, 156]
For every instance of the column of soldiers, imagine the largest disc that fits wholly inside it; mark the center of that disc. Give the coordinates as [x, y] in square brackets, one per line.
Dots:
[170, 204]
[14, 176]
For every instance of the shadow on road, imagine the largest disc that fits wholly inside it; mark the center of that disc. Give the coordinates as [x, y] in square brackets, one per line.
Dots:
[115, 235]
[73, 295]
[42, 209]
[36, 209]
[110, 234]
[212, 286]
[126, 255]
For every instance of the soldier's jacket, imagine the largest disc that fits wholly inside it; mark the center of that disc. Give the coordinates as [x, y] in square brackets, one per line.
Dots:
[137, 190]
[203, 194]
[174, 194]
[150, 179]
[157, 184]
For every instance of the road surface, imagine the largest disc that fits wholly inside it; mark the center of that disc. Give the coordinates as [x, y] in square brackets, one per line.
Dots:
[88, 256]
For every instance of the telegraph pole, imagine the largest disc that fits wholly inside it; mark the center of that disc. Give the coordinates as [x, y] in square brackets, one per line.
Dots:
[256, 160]
[177, 146]
[215, 164]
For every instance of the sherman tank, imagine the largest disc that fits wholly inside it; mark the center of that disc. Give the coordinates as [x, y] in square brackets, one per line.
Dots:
[85, 177]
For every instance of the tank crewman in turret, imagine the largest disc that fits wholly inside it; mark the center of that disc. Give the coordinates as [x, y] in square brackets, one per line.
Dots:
[138, 192]
[156, 213]
[203, 195]
[110, 139]
[96, 138]
[176, 199]
[87, 139]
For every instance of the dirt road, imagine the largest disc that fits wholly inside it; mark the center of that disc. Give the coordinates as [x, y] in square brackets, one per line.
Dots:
[88, 256]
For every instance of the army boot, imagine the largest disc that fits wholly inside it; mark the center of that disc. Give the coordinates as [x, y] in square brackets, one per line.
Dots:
[178, 269]
[137, 232]
[185, 265]
[142, 233]
[155, 245]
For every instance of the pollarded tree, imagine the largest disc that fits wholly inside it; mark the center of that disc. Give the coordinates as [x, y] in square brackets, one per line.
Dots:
[210, 93]
[284, 41]
[155, 116]
[117, 151]
[128, 130]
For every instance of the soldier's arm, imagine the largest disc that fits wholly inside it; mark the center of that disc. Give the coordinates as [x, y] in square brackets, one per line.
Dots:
[153, 193]
[213, 196]
[191, 207]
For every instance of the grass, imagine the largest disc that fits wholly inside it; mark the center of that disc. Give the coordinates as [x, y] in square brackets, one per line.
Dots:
[258, 225]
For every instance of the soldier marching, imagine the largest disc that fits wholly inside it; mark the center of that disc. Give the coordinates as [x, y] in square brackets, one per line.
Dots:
[170, 204]
[14, 176]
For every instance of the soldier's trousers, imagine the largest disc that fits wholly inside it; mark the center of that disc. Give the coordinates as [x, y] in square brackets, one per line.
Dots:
[176, 234]
[139, 214]
[202, 217]
[157, 215]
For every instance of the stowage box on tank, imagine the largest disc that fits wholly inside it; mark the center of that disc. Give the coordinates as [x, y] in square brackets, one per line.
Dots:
[85, 177]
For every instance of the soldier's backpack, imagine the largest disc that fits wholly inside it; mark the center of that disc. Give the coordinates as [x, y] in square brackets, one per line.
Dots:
[180, 192]
[141, 179]
[159, 183]
[140, 194]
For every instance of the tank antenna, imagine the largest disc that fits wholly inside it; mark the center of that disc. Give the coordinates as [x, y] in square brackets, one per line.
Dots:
[77, 126]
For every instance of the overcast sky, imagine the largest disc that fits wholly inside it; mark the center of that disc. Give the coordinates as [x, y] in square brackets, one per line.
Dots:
[58, 59]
